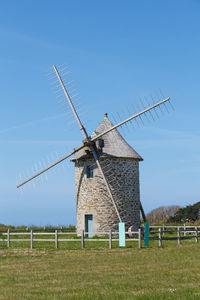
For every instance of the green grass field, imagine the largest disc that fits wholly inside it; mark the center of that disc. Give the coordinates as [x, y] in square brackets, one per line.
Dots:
[172, 272]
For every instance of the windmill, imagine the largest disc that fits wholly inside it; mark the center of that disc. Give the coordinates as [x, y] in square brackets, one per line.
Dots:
[114, 195]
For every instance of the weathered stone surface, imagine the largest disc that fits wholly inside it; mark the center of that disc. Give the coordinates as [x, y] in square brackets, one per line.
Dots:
[93, 198]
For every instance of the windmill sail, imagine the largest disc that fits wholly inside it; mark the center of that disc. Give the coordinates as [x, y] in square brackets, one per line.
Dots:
[50, 166]
[131, 118]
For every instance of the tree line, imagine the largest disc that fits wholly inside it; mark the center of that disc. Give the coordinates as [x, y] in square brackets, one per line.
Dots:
[175, 214]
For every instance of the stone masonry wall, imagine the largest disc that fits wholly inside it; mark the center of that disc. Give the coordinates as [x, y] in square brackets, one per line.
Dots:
[92, 196]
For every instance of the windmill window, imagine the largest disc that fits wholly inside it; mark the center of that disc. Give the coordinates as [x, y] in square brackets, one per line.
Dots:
[90, 172]
[101, 143]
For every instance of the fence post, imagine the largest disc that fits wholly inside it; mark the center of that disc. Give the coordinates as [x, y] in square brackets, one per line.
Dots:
[56, 239]
[196, 238]
[146, 235]
[178, 236]
[31, 236]
[82, 239]
[110, 239]
[163, 228]
[139, 238]
[184, 229]
[159, 237]
[8, 238]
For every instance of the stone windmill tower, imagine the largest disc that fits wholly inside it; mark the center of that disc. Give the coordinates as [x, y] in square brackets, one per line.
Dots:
[95, 211]
[106, 169]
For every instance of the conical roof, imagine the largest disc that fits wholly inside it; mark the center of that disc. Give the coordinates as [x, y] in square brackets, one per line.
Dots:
[114, 145]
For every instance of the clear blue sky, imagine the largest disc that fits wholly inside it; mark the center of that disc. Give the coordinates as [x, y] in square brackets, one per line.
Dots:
[117, 52]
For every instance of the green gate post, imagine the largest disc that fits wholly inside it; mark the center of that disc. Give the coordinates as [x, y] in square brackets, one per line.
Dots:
[146, 235]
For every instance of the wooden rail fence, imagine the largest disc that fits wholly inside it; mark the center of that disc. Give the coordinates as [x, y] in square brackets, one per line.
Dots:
[32, 237]
[156, 233]
[182, 233]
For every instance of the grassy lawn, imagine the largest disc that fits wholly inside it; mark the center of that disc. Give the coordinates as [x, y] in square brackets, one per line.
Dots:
[172, 272]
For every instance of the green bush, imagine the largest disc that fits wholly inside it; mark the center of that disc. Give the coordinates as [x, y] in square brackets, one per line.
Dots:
[189, 213]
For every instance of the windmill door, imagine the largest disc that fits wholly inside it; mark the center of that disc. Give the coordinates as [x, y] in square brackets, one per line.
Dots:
[89, 225]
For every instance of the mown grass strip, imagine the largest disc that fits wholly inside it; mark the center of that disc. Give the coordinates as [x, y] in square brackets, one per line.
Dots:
[171, 272]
